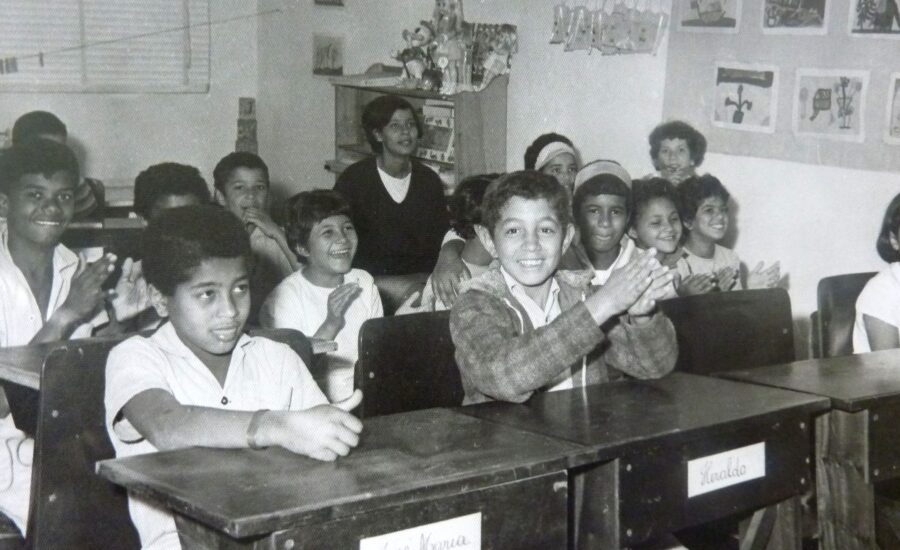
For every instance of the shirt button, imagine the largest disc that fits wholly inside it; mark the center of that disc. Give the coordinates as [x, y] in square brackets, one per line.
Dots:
[224, 400]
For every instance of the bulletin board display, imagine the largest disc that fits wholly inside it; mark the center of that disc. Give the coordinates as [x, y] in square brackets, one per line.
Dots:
[814, 89]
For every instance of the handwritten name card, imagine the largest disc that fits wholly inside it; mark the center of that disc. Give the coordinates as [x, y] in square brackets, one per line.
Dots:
[714, 472]
[462, 533]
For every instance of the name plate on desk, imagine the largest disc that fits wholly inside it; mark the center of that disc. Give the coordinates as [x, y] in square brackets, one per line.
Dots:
[714, 472]
[462, 533]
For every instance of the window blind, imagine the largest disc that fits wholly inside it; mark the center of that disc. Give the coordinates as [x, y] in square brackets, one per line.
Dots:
[104, 45]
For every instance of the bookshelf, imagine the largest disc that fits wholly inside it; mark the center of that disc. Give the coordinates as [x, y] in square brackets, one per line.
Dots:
[464, 134]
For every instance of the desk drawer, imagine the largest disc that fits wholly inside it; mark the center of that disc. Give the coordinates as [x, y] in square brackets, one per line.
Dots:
[526, 514]
[653, 486]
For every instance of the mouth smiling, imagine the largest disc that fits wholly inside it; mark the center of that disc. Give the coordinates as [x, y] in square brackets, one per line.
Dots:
[226, 334]
[531, 263]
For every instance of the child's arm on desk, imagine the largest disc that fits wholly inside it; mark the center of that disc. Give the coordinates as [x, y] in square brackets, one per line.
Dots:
[323, 432]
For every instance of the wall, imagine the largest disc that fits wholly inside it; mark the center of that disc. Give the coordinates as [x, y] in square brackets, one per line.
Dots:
[607, 105]
[118, 135]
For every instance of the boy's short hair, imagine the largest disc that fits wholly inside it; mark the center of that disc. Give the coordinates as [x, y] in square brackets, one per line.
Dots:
[889, 226]
[36, 124]
[601, 184]
[166, 179]
[696, 189]
[465, 204]
[177, 241]
[645, 190]
[543, 140]
[304, 210]
[528, 184]
[378, 112]
[37, 156]
[233, 161]
[677, 129]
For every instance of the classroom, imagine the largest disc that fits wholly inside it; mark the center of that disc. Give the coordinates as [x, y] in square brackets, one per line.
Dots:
[287, 80]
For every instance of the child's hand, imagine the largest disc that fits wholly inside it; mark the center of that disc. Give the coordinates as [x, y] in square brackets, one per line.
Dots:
[323, 433]
[726, 278]
[624, 286]
[698, 283]
[86, 294]
[662, 278]
[764, 278]
[338, 303]
[131, 295]
[414, 304]
[257, 217]
[448, 275]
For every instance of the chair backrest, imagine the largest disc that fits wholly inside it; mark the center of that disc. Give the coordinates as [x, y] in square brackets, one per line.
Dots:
[837, 312]
[71, 506]
[406, 363]
[739, 329]
[293, 338]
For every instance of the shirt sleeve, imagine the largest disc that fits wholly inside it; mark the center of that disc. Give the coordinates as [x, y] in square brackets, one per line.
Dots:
[281, 310]
[133, 366]
[881, 299]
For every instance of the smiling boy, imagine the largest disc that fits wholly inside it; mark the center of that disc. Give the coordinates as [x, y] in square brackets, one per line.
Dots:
[326, 298]
[199, 380]
[525, 326]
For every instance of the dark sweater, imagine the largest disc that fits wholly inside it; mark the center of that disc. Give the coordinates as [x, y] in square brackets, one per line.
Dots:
[395, 239]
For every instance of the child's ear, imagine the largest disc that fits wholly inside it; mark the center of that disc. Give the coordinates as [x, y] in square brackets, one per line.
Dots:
[895, 243]
[487, 241]
[301, 250]
[4, 205]
[159, 301]
[632, 233]
[687, 223]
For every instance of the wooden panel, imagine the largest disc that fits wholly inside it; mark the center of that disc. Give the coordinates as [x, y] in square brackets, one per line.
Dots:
[71, 507]
[402, 459]
[845, 499]
[884, 433]
[653, 484]
[721, 331]
[625, 417]
[397, 378]
[853, 383]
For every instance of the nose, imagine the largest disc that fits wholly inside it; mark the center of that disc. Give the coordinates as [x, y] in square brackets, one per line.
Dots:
[531, 241]
[51, 204]
[604, 219]
[228, 307]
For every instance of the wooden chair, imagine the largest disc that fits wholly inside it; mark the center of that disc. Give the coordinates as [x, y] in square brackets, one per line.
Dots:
[71, 507]
[833, 322]
[740, 329]
[406, 363]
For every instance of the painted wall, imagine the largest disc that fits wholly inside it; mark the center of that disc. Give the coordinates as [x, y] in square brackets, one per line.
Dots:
[607, 105]
[816, 220]
[118, 135]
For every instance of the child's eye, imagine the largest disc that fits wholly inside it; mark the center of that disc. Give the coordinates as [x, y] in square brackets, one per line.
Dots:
[617, 212]
[512, 231]
[206, 295]
[37, 195]
[66, 196]
[349, 229]
[548, 230]
[242, 288]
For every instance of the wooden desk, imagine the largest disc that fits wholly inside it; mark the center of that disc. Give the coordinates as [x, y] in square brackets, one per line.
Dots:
[410, 469]
[856, 442]
[645, 437]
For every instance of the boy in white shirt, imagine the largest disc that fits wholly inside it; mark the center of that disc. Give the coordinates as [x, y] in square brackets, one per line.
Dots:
[199, 380]
[326, 298]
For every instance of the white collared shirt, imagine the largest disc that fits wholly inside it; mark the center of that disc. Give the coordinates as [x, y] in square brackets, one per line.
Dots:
[262, 374]
[626, 249]
[20, 316]
[540, 316]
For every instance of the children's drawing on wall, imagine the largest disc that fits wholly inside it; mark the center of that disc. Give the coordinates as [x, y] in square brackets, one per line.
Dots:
[795, 17]
[708, 15]
[880, 18]
[746, 97]
[892, 125]
[830, 104]
[328, 55]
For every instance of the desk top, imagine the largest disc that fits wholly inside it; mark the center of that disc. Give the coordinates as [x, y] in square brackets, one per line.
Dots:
[853, 383]
[625, 417]
[402, 458]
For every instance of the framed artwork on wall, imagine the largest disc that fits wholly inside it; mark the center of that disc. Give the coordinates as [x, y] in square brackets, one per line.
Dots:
[795, 16]
[875, 18]
[722, 16]
[328, 55]
[746, 97]
[892, 117]
[830, 104]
